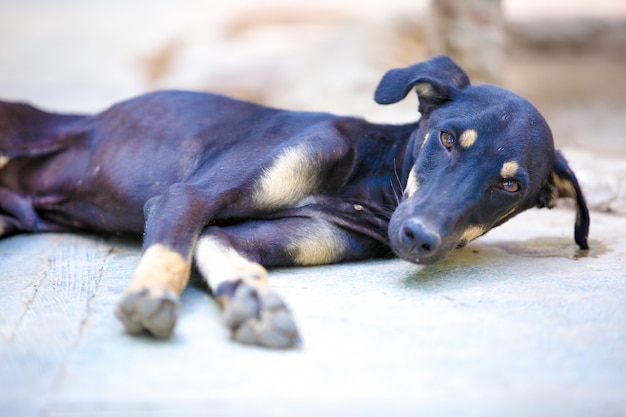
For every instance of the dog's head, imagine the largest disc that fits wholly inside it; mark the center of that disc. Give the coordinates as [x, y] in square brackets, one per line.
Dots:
[480, 156]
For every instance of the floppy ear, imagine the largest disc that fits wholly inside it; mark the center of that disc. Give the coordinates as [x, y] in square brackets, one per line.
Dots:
[563, 183]
[434, 82]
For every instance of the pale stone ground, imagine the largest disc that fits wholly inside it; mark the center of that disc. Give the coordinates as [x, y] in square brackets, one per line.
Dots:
[511, 325]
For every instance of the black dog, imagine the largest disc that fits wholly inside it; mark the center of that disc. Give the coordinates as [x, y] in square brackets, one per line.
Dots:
[236, 185]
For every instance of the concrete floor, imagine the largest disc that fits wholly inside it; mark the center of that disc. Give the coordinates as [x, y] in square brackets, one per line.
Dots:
[516, 324]
[513, 325]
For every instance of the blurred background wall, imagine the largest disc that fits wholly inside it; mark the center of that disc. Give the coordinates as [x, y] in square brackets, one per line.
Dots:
[567, 56]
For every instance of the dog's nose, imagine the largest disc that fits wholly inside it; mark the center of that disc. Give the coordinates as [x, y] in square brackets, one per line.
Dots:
[418, 239]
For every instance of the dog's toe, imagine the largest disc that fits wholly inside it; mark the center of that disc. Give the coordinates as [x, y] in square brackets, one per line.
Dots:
[275, 329]
[260, 319]
[145, 311]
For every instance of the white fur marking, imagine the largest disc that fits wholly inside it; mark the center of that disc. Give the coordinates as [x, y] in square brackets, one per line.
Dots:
[426, 137]
[291, 178]
[3, 160]
[219, 263]
[412, 185]
[324, 245]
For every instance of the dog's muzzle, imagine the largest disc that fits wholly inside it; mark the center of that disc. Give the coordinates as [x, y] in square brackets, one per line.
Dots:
[414, 241]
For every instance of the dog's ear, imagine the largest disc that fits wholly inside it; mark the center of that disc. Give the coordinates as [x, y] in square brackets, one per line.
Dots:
[434, 82]
[562, 183]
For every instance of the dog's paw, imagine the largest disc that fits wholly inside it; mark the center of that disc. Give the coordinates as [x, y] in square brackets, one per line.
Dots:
[259, 318]
[145, 310]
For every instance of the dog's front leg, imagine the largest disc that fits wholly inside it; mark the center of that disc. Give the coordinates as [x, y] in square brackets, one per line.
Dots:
[253, 313]
[232, 258]
[173, 223]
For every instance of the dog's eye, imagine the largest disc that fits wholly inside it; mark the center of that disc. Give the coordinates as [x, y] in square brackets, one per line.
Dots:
[447, 140]
[510, 186]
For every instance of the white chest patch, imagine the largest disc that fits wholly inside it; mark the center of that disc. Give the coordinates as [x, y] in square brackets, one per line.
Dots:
[293, 176]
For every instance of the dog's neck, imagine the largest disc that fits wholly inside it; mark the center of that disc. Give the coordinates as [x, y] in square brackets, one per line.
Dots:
[380, 173]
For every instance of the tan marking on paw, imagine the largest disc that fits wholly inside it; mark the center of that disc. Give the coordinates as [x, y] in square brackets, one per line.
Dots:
[162, 268]
[292, 176]
[468, 138]
[509, 169]
[150, 301]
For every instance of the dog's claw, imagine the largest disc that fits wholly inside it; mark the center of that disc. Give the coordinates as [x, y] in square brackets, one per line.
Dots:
[260, 319]
[142, 311]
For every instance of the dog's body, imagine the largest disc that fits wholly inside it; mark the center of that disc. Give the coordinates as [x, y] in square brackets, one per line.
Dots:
[237, 185]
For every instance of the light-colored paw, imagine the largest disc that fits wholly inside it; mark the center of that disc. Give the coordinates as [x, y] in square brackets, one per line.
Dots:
[260, 318]
[148, 311]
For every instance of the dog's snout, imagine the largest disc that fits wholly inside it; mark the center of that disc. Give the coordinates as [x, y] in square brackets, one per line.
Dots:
[418, 239]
